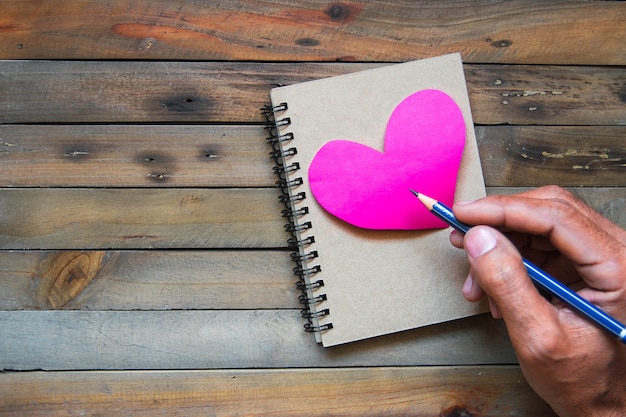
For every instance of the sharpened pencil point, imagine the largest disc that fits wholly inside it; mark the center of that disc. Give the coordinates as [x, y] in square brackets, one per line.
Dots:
[425, 200]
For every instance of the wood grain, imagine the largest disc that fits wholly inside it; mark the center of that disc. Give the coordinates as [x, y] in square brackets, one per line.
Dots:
[139, 224]
[564, 155]
[65, 276]
[224, 339]
[136, 218]
[167, 218]
[414, 391]
[534, 32]
[237, 156]
[191, 279]
[135, 156]
[146, 280]
[201, 92]
[547, 95]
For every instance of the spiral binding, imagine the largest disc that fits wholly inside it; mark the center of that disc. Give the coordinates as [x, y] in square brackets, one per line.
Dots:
[301, 256]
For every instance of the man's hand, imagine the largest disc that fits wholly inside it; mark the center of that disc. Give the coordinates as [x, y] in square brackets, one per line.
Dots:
[574, 365]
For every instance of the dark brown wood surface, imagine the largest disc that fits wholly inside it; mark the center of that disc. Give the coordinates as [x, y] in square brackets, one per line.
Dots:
[143, 262]
[217, 92]
[535, 31]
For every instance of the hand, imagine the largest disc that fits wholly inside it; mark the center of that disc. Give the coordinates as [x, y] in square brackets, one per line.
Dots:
[578, 368]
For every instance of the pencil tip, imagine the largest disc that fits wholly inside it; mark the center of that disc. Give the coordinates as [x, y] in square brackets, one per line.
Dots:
[426, 201]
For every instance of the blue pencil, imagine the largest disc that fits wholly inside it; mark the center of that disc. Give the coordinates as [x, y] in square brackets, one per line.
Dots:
[539, 277]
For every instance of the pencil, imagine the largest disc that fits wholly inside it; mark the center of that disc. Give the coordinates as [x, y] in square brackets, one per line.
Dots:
[541, 278]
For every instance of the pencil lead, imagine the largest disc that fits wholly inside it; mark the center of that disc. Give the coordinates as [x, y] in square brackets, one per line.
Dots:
[415, 193]
[426, 201]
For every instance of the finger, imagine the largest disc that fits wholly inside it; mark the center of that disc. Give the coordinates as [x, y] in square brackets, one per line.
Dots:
[555, 192]
[472, 290]
[570, 231]
[552, 192]
[537, 250]
[456, 239]
[497, 267]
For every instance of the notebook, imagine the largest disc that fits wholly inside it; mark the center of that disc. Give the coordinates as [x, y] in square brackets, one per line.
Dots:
[361, 282]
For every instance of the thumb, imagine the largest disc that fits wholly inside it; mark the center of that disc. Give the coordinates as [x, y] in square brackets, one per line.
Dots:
[497, 266]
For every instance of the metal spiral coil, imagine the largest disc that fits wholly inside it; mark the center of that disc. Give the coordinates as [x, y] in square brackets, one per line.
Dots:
[285, 169]
[298, 227]
[314, 314]
[268, 111]
[311, 301]
[303, 286]
[296, 257]
[310, 328]
[283, 154]
[284, 184]
[286, 198]
[302, 271]
[300, 243]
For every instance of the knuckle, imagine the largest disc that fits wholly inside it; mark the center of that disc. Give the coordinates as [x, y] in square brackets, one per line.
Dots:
[563, 210]
[544, 349]
[561, 201]
[558, 193]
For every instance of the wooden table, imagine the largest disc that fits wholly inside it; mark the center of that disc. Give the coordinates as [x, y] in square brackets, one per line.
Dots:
[143, 262]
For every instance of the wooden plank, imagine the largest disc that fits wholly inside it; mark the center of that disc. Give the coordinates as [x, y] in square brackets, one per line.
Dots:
[166, 218]
[146, 280]
[184, 92]
[217, 339]
[236, 155]
[564, 155]
[133, 155]
[528, 31]
[550, 95]
[414, 391]
[140, 218]
[164, 280]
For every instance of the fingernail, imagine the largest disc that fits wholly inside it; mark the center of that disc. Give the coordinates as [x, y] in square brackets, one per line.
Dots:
[480, 241]
[462, 203]
[467, 286]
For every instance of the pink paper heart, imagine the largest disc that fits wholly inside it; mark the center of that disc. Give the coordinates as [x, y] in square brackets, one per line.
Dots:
[424, 143]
